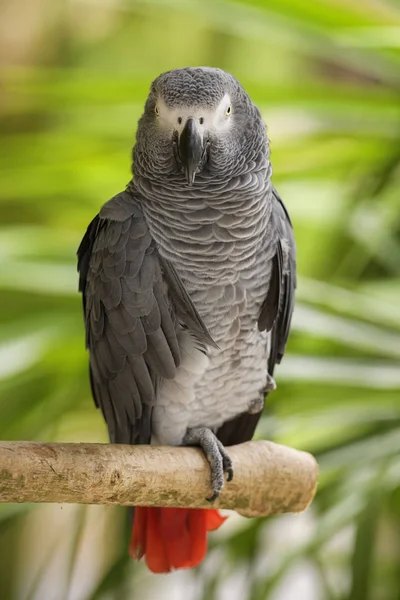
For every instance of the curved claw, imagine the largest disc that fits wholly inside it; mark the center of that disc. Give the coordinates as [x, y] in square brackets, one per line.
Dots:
[212, 498]
[230, 474]
[219, 460]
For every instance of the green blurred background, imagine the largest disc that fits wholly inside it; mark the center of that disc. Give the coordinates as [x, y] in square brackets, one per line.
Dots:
[325, 74]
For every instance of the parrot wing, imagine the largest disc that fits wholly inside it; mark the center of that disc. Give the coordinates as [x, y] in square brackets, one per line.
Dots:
[275, 316]
[284, 279]
[132, 302]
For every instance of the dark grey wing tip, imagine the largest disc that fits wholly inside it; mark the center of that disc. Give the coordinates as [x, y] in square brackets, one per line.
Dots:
[281, 328]
[270, 307]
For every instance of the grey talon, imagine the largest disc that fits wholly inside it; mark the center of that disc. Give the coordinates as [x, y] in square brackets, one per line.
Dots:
[216, 455]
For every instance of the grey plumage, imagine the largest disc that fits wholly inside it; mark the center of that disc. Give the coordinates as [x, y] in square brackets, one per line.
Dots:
[188, 290]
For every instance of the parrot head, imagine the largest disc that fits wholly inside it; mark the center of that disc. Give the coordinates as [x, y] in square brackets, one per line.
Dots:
[197, 120]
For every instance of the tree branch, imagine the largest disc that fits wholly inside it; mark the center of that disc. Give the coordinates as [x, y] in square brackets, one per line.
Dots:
[268, 478]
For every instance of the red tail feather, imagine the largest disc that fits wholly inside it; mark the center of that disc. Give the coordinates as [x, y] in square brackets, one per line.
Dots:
[172, 538]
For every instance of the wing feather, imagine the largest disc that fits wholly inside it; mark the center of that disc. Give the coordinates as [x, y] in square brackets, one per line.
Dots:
[134, 303]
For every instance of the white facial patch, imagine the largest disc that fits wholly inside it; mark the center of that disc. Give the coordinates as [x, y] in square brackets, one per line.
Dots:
[174, 119]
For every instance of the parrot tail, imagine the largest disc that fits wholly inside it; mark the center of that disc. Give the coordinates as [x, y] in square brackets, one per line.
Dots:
[172, 538]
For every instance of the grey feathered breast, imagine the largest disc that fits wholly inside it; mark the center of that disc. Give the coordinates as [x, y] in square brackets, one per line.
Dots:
[134, 302]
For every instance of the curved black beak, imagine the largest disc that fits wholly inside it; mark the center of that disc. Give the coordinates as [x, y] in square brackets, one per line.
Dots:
[190, 149]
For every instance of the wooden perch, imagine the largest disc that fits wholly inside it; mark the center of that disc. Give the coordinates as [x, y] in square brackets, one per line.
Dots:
[268, 478]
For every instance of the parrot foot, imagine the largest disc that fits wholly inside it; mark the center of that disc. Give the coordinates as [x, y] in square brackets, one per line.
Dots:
[216, 455]
[257, 406]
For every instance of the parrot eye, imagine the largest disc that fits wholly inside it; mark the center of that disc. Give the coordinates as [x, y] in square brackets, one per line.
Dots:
[156, 111]
[228, 110]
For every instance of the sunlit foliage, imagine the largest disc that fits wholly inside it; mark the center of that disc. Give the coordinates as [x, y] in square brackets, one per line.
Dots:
[326, 77]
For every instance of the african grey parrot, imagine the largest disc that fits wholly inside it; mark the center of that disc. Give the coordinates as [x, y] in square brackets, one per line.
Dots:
[188, 279]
